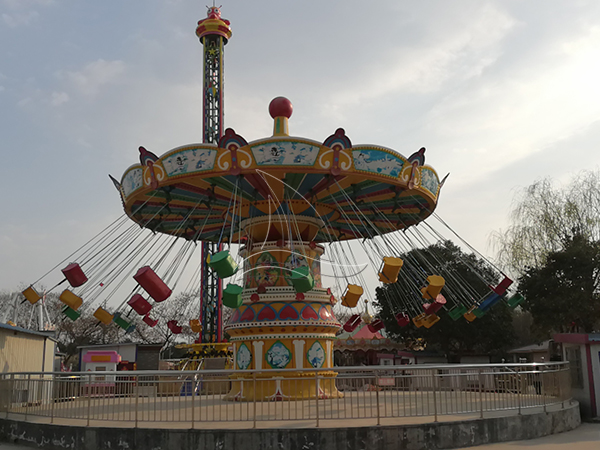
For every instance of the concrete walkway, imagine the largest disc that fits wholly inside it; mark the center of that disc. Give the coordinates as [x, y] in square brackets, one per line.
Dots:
[586, 437]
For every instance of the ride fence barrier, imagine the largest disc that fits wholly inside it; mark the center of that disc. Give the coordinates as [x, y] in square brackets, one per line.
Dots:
[193, 398]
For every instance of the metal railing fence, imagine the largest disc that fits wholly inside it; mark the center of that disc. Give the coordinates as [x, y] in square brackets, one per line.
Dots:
[355, 393]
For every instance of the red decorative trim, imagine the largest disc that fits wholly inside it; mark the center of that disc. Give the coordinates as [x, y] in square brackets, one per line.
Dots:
[571, 338]
[588, 355]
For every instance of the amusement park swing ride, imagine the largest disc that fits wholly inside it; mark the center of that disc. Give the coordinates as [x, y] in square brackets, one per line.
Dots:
[288, 205]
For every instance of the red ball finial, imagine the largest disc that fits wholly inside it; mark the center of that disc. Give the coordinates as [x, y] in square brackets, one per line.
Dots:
[280, 107]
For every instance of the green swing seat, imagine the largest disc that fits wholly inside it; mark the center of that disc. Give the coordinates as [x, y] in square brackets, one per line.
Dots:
[223, 264]
[457, 312]
[515, 300]
[232, 296]
[70, 312]
[302, 279]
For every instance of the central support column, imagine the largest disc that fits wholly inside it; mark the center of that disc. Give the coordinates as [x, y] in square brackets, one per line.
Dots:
[279, 328]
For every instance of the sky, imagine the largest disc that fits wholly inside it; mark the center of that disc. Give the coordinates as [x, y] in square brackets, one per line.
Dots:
[501, 93]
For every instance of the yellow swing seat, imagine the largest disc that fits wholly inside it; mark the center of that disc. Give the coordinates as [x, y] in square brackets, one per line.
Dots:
[390, 270]
[352, 295]
[435, 283]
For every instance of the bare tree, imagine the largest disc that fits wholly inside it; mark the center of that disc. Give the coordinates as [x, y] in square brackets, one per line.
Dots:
[545, 217]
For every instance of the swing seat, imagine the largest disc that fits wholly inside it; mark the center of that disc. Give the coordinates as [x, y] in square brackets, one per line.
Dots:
[130, 330]
[150, 321]
[70, 313]
[174, 327]
[489, 301]
[352, 295]
[456, 312]
[223, 264]
[232, 296]
[74, 275]
[195, 325]
[402, 319]
[390, 270]
[469, 314]
[479, 313]
[430, 320]
[352, 323]
[376, 325]
[31, 295]
[503, 286]
[515, 300]
[302, 279]
[121, 323]
[435, 283]
[103, 316]
[419, 320]
[152, 284]
[434, 307]
[139, 304]
[70, 299]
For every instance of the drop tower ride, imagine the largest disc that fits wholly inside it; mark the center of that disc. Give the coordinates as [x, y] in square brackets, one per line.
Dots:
[213, 33]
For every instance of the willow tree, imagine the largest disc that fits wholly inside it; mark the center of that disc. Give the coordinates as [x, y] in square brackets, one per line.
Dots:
[545, 218]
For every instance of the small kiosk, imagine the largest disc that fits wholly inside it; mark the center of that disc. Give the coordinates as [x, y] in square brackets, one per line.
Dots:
[100, 361]
[583, 353]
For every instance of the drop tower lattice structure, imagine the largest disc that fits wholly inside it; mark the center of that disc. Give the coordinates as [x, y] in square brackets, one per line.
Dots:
[213, 33]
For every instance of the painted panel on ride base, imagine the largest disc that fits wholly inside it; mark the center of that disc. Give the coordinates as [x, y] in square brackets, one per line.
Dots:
[316, 355]
[132, 181]
[377, 161]
[278, 356]
[429, 180]
[285, 153]
[243, 357]
[189, 161]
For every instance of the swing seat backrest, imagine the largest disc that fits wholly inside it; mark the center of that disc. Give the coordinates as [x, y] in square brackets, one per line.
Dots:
[195, 325]
[223, 264]
[376, 325]
[503, 286]
[402, 319]
[419, 320]
[352, 323]
[232, 296]
[70, 299]
[31, 295]
[103, 316]
[70, 313]
[435, 283]
[515, 300]
[352, 295]
[390, 270]
[430, 320]
[74, 275]
[457, 312]
[302, 279]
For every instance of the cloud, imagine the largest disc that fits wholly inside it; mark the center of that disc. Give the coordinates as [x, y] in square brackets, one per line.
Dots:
[24, 102]
[461, 48]
[17, 19]
[26, 4]
[95, 75]
[58, 98]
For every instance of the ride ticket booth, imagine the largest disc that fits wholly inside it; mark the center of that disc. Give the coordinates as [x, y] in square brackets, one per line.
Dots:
[100, 361]
[583, 353]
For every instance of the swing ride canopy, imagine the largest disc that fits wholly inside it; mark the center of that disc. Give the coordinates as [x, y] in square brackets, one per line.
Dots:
[339, 191]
